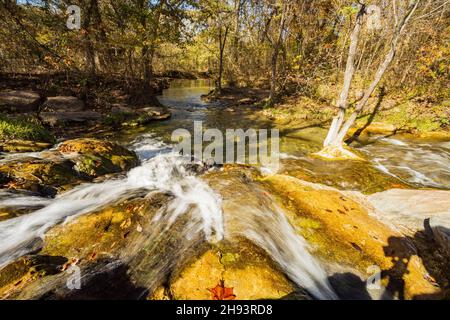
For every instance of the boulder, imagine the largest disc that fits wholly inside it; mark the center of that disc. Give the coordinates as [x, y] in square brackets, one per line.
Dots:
[94, 157]
[19, 101]
[61, 118]
[238, 270]
[90, 240]
[156, 113]
[39, 175]
[62, 104]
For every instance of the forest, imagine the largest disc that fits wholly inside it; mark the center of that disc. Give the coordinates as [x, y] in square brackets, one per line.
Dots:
[97, 202]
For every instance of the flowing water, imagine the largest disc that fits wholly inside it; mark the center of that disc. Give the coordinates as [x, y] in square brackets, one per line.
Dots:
[205, 215]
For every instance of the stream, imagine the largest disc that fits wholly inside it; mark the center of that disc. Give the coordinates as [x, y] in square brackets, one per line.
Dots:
[422, 164]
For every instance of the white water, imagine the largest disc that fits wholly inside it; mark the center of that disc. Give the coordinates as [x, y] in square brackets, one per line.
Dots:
[270, 230]
[163, 172]
[418, 163]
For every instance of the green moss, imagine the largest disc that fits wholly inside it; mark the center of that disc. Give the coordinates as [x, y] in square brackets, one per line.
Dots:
[97, 157]
[24, 129]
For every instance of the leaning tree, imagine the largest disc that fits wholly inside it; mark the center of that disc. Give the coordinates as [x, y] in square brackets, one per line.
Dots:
[345, 119]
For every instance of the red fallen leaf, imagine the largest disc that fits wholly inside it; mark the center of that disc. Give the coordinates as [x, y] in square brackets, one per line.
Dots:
[220, 292]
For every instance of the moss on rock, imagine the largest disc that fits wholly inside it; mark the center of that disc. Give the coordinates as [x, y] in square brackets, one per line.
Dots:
[39, 175]
[97, 157]
[348, 234]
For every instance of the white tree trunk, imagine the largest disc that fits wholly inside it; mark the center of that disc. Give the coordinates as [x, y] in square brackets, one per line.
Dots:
[339, 128]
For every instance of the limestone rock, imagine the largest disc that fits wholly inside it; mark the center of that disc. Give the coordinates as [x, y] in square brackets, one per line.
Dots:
[350, 235]
[97, 157]
[241, 267]
[19, 101]
[69, 117]
[409, 208]
[63, 104]
[23, 146]
[39, 175]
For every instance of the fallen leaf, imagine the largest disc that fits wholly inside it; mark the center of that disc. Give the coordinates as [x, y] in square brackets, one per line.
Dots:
[220, 292]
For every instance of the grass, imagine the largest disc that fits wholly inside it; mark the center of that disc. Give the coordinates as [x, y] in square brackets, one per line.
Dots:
[23, 129]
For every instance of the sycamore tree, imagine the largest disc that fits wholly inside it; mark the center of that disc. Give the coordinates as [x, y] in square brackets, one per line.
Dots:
[345, 119]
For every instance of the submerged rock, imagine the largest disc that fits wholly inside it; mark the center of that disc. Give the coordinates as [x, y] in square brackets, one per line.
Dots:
[94, 157]
[19, 101]
[345, 175]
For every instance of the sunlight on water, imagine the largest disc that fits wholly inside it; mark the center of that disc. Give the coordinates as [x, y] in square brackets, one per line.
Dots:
[423, 164]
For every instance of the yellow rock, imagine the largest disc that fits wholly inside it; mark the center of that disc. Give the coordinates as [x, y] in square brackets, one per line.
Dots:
[359, 239]
[250, 274]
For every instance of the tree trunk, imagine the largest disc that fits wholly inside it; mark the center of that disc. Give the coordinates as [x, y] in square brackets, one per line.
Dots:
[89, 52]
[222, 42]
[274, 60]
[348, 77]
[339, 129]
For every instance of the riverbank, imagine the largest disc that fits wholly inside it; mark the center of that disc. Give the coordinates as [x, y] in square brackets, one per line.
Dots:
[386, 115]
[44, 108]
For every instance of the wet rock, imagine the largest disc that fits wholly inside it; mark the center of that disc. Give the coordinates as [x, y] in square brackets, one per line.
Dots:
[348, 234]
[240, 267]
[23, 146]
[16, 207]
[62, 104]
[346, 175]
[134, 116]
[89, 241]
[156, 113]
[96, 157]
[69, 117]
[39, 175]
[439, 229]
[19, 101]
[409, 208]
[100, 234]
